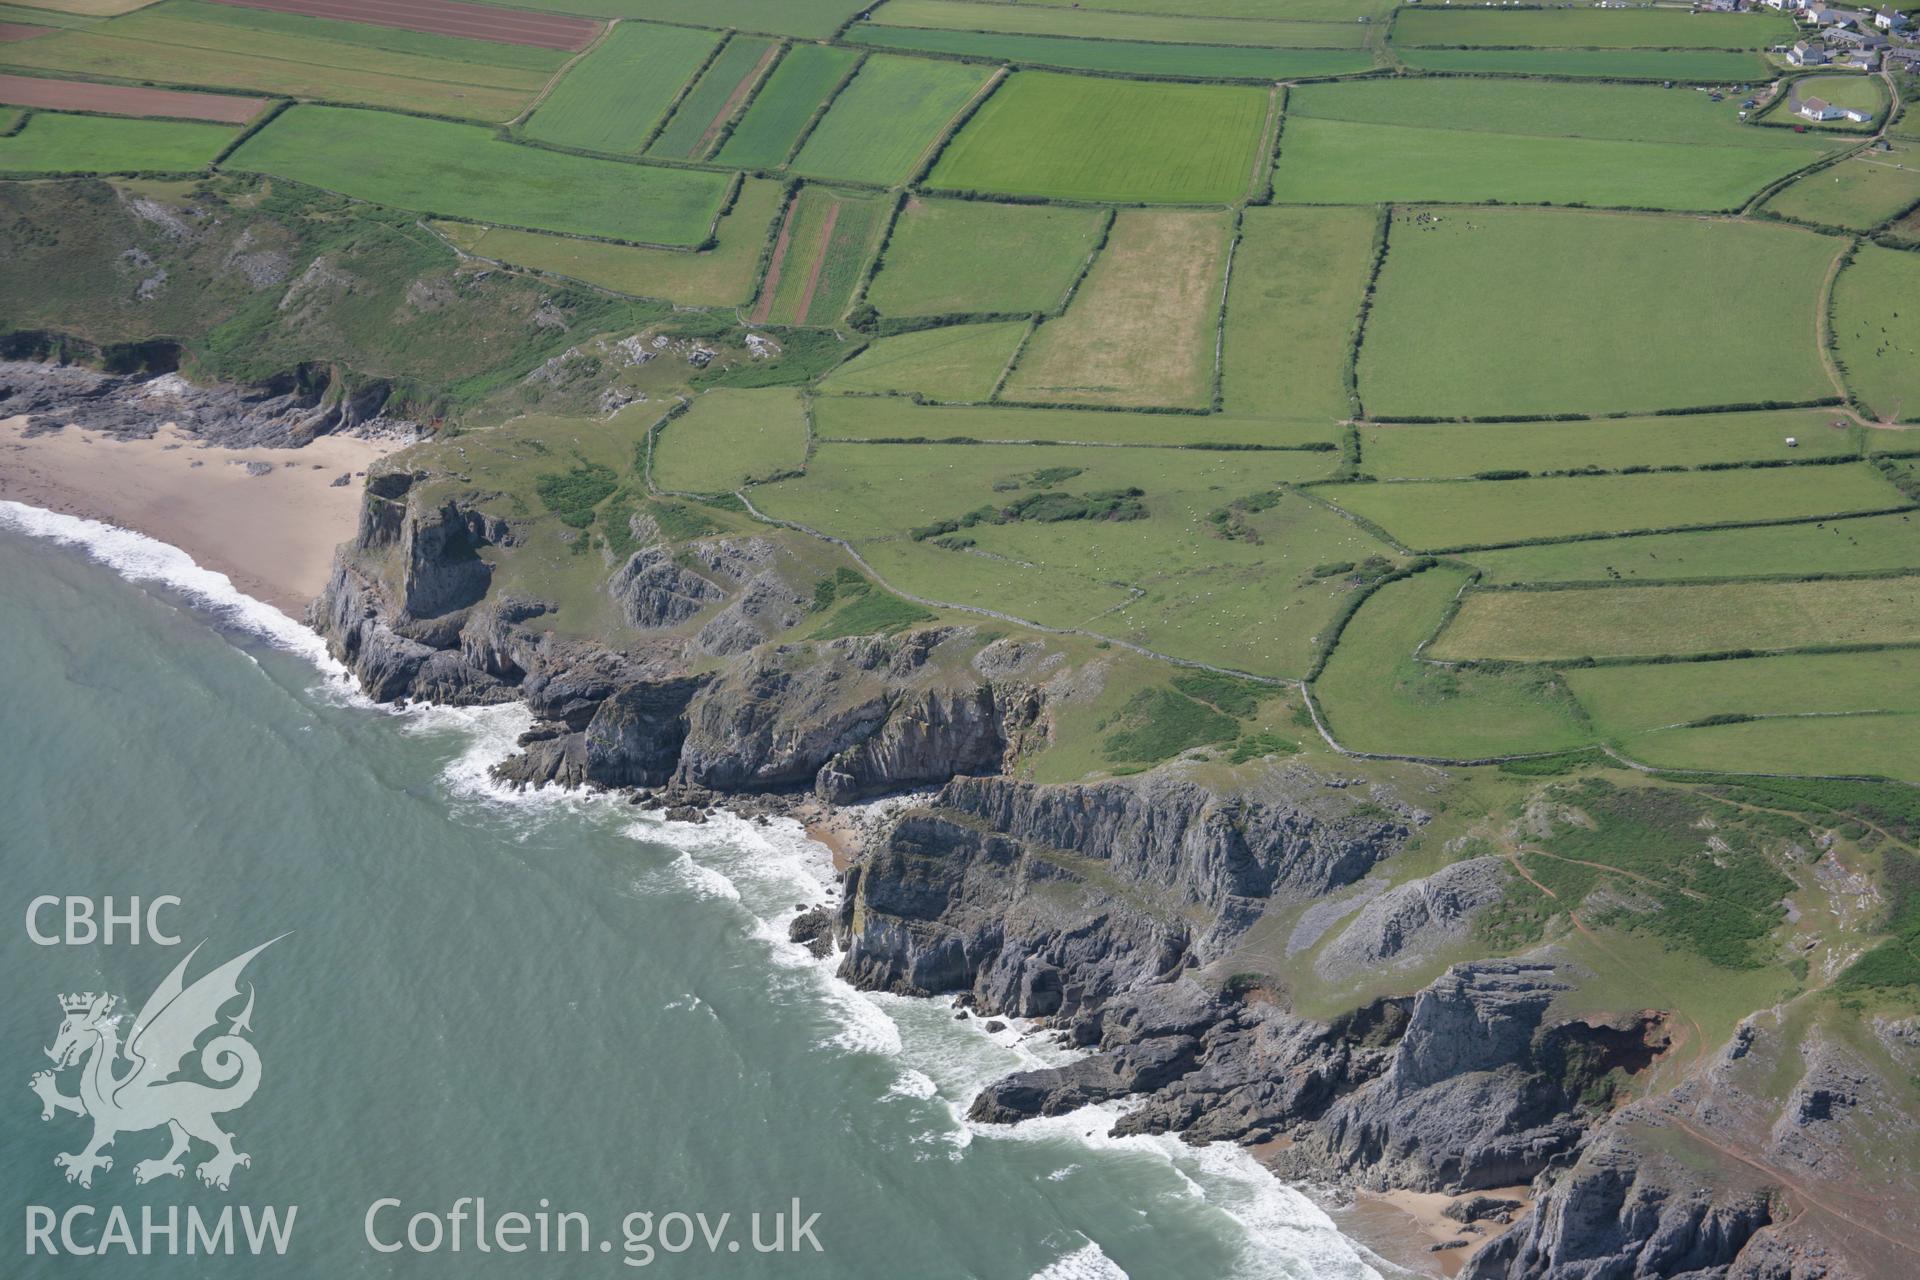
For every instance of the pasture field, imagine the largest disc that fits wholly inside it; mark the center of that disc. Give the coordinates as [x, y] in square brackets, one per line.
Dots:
[730, 438]
[294, 29]
[1141, 329]
[410, 71]
[1376, 696]
[881, 126]
[959, 362]
[53, 143]
[464, 172]
[1868, 544]
[721, 276]
[813, 19]
[1347, 162]
[1610, 112]
[891, 419]
[1298, 277]
[955, 257]
[1626, 700]
[1046, 134]
[1877, 326]
[1709, 66]
[721, 90]
[1859, 193]
[1127, 57]
[1699, 617]
[1873, 746]
[1595, 313]
[1292, 10]
[1441, 514]
[1590, 28]
[1477, 139]
[828, 241]
[787, 99]
[613, 97]
[1041, 20]
[1458, 450]
[87, 8]
[1246, 601]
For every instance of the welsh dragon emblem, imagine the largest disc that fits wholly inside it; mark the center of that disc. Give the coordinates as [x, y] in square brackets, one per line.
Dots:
[126, 1088]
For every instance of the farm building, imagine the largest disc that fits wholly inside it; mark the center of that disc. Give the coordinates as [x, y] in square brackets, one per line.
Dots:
[1891, 19]
[1806, 54]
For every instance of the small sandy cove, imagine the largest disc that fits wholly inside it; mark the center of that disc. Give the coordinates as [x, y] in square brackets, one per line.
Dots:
[272, 534]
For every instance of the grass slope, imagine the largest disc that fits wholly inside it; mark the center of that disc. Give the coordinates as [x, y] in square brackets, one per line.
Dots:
[868, 419]
[1869, 544]
[1696, 65]
[1876, 322]
[1125, 57]
[1858, 194]
[730, 438]
[814, 19]
[1298, 276]
[1103, 24]
[1644, 28]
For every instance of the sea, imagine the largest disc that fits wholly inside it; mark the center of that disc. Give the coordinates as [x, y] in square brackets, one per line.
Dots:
[495, 1033]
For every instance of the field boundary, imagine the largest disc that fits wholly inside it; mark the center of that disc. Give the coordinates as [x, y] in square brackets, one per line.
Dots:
[820, 112]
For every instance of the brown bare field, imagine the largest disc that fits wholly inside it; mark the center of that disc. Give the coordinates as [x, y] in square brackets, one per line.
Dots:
[10, 32]
[780, 247]
[445, 18]
[1141, 328]
[125, 100]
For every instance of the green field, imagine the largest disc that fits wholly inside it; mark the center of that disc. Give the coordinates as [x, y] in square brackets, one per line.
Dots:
[1869, 544]
[721, 90]
[1291, 10]
[1876, 323]
[1858, 193]
[815, 19]
[1298, 276]
[831, 236]
[730, 438]
[1692, 65]
[1861, 92]
[961, 362]
[787, 99]
[721, 276]
[54, 143]
[1142, 327]
[1457, 450]
[1079, 138]
[890, 419]
[1595, 313]
[958, 257]
[286, 54]
[1249, 602]
[1857, 746]
[1626, 700]
[1440, 514]
[613, 97]
[1590, 28]
[1376, 696]
[1127, 57]
[464, 172]
[1041, 20]
[882, 126]
[1703, 617]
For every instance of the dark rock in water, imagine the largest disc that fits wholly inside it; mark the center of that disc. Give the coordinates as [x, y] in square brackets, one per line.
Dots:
[1132, 1068]
[960, 1015]
[686, 813]
[995, 1026]
[814, 928]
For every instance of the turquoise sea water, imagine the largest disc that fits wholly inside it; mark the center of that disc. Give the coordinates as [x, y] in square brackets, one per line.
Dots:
[499, 996]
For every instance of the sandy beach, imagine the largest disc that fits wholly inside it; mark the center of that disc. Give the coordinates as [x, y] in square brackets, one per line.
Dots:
[272, 533]
[1404, 1227]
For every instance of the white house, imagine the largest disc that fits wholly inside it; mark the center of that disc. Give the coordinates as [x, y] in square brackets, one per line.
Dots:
[1819, 109]
[1805, 54]
[1891, 19]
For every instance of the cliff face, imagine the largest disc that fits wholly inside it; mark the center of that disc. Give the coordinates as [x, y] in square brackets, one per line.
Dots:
[1112, 908]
